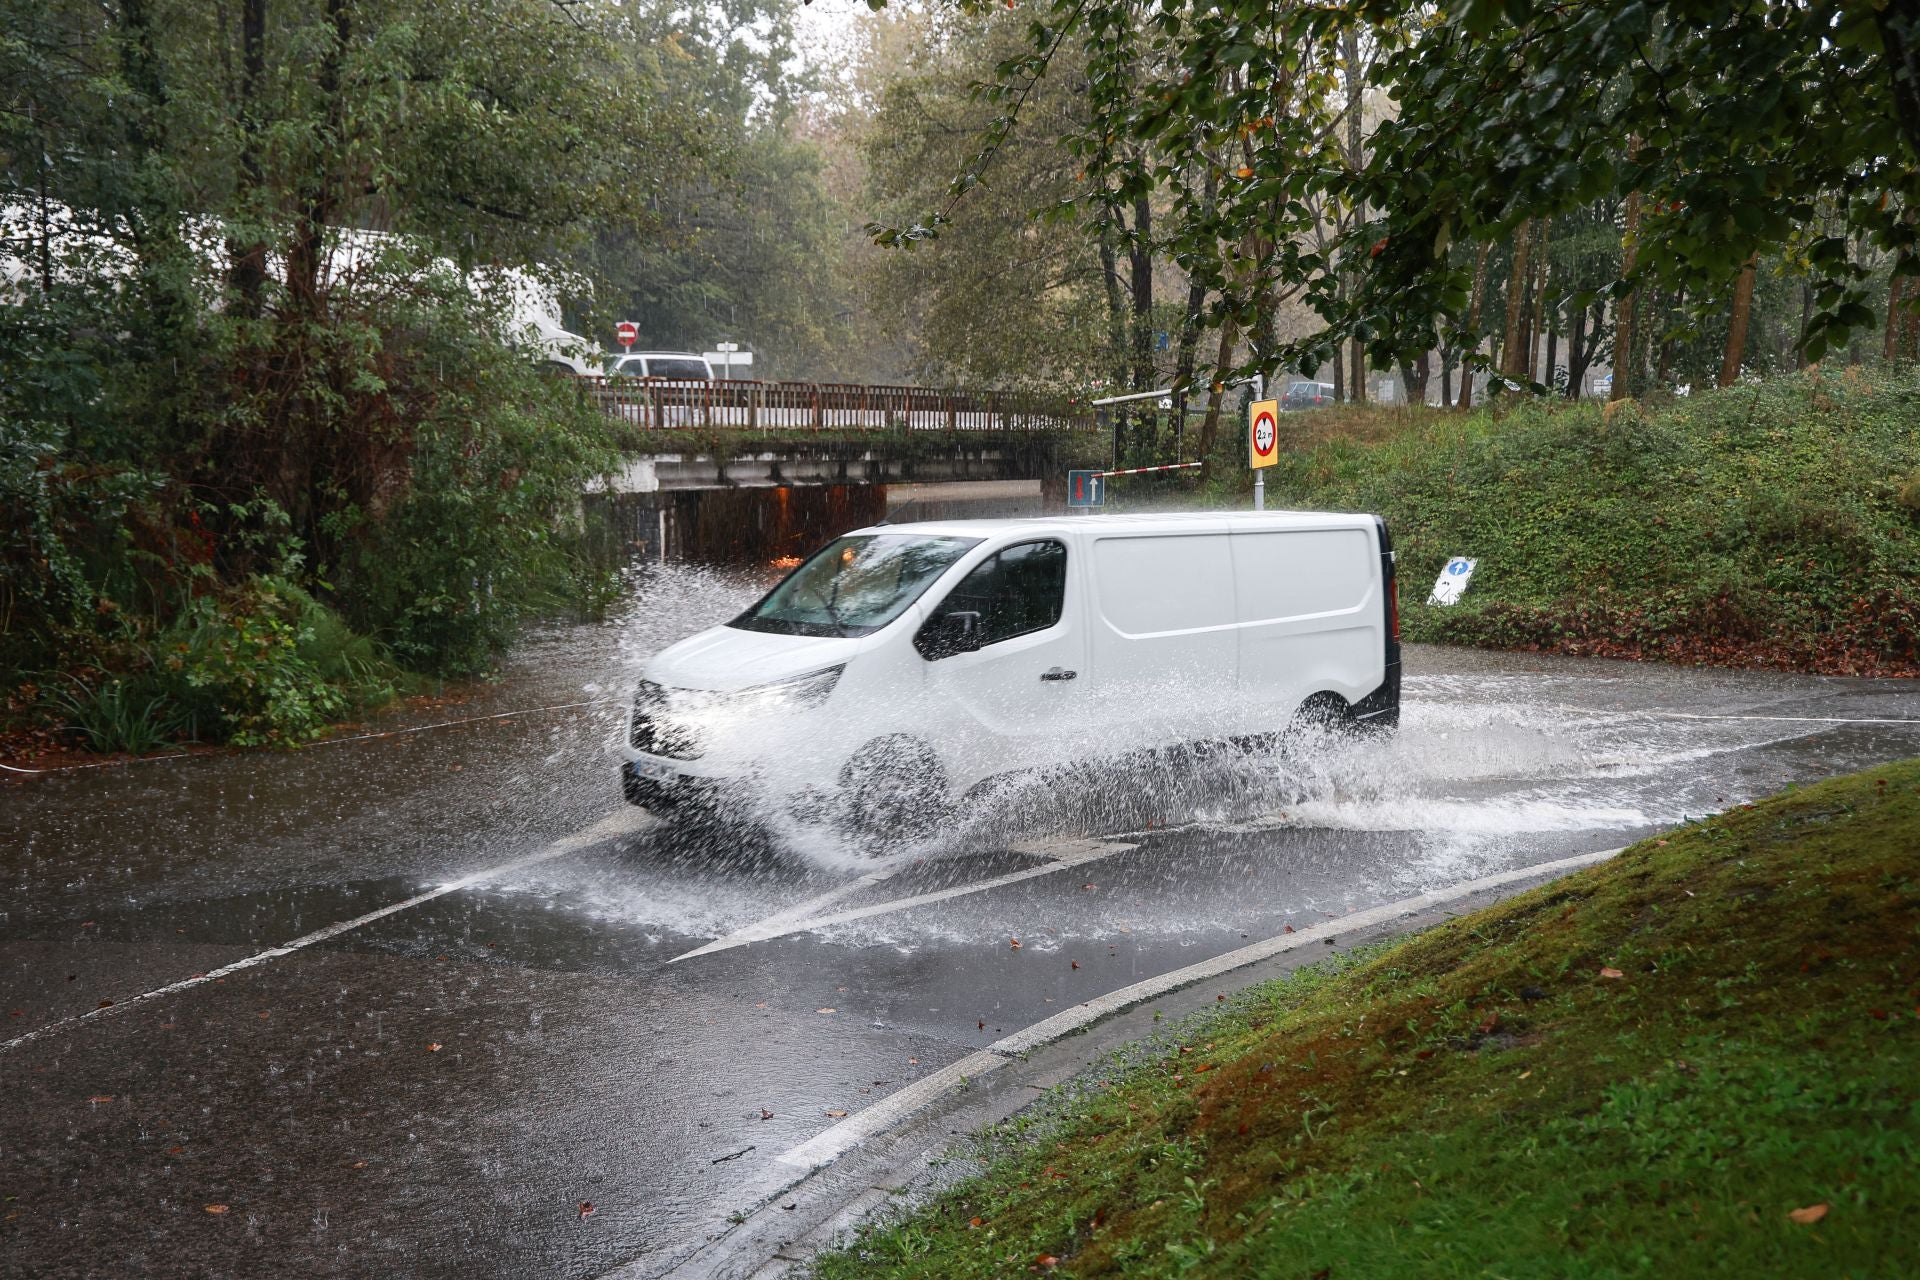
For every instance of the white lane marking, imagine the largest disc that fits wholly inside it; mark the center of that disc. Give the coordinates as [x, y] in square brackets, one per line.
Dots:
[1078, 853]
[757, 931]
[835, 1142]
[1625, 714]
[829, 1145]
[614, 824]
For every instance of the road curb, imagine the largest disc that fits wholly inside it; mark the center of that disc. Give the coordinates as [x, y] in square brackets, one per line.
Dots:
[774, 1235]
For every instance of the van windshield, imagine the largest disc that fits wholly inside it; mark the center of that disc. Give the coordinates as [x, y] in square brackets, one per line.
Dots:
[854, 586]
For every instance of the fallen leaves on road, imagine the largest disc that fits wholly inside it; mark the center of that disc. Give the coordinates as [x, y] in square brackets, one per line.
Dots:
[1808, 1216]
[1611, 973]
[1286, 928]
[836, 1114]
[104, 1004]
[433, 1046]
[1013, 944]
[101, 1097]
[586, 1210]
[765, 1114]
[215, 1208]
[1076, 964]
[826, 1011]
[913, 1062]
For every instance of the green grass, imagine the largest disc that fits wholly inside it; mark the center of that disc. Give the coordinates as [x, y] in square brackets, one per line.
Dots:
[1484, 1100]
[1775, 524]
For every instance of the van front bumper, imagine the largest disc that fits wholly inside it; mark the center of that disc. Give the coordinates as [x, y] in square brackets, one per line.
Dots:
[677, 792]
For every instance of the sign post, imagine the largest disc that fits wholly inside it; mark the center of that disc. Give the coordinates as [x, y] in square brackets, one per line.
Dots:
[627, 332]
[1263, 445]
[729, 357]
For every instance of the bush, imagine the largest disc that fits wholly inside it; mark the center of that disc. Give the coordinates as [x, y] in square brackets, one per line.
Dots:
[235, 533]
[1764, 523]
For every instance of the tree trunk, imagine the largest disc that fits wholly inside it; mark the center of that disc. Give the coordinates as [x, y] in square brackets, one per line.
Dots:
[1446, 379]
[1414, 376]
[1806, 314]
[1196, 300]
[1576, 370]
[1900, 37]
[1896, 290]
[1512, 345]
[1210, 425]
[1116, 302]
[1140, 259]
[1664, 373]
[1474, 304]
[1537, 316]
[1356, 159]
[1737, 322]
[247, 272]
[1623, 334]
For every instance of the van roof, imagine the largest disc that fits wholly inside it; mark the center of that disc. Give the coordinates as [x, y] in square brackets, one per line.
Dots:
[1144, 522]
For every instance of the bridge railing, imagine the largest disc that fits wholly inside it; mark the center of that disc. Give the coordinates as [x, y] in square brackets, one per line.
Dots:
[749, 405]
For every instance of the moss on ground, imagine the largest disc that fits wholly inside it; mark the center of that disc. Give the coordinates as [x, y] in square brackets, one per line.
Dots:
[1647, 1068]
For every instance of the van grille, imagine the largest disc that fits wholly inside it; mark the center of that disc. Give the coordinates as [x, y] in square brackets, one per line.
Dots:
[654, 729]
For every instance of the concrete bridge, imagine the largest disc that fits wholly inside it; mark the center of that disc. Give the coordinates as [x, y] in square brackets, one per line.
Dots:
[751, 471]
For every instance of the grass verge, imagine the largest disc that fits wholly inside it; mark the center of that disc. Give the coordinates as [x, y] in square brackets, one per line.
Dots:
[1772, 524]
[1701, 1058]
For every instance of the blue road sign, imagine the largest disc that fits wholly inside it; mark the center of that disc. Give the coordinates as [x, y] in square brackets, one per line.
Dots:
[1457, 567]
[1086, 489]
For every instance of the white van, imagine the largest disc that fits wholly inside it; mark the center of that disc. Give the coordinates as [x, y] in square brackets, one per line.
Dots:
[904, 665]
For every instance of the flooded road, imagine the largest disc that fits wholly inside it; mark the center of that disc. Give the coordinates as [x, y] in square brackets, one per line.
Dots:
[407, 1004]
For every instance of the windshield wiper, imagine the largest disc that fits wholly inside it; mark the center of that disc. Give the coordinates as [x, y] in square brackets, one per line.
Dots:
[832, 610]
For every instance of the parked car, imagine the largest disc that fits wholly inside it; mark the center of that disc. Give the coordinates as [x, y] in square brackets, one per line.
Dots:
[902, 666]
[1307, 395]
[680, 366]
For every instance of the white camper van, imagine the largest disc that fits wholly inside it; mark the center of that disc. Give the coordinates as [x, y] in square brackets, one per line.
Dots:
[904, 665]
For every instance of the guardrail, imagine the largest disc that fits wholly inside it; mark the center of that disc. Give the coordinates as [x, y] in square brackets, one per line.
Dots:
[748, 405]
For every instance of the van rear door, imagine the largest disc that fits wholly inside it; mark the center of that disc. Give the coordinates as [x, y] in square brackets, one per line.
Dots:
[1311, 616]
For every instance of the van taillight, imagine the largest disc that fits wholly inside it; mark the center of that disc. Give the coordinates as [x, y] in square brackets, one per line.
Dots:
[1393, 606]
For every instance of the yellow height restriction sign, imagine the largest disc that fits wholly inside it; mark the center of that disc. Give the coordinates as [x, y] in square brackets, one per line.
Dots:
[1263, 433]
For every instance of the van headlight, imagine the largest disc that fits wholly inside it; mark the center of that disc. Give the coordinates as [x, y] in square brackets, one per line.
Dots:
[801, 693]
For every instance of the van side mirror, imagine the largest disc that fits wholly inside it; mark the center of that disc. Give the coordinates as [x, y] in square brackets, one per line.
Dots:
[948, 635]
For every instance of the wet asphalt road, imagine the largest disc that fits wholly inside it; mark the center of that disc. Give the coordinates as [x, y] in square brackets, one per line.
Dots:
[439, 1091]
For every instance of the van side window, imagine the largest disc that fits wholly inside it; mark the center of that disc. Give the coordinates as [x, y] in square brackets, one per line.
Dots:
[1019, 590]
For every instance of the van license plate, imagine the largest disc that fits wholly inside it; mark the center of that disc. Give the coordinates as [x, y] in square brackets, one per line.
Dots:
[654, 771]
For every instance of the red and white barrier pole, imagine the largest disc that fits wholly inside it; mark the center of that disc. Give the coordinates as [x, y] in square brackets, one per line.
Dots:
[1134, 471]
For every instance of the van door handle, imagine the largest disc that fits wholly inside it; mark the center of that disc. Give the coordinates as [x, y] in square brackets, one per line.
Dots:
[1058, 673]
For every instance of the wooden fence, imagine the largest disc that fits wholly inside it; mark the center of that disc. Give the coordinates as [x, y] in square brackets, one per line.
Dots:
[747, 405]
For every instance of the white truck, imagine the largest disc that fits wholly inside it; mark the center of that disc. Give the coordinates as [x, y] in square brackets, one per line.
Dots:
[902, 666]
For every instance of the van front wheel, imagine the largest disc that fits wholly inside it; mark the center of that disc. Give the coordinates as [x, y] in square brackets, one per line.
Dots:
[892, 788]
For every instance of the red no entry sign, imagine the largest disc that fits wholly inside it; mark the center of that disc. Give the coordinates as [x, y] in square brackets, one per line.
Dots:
[627, 332]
